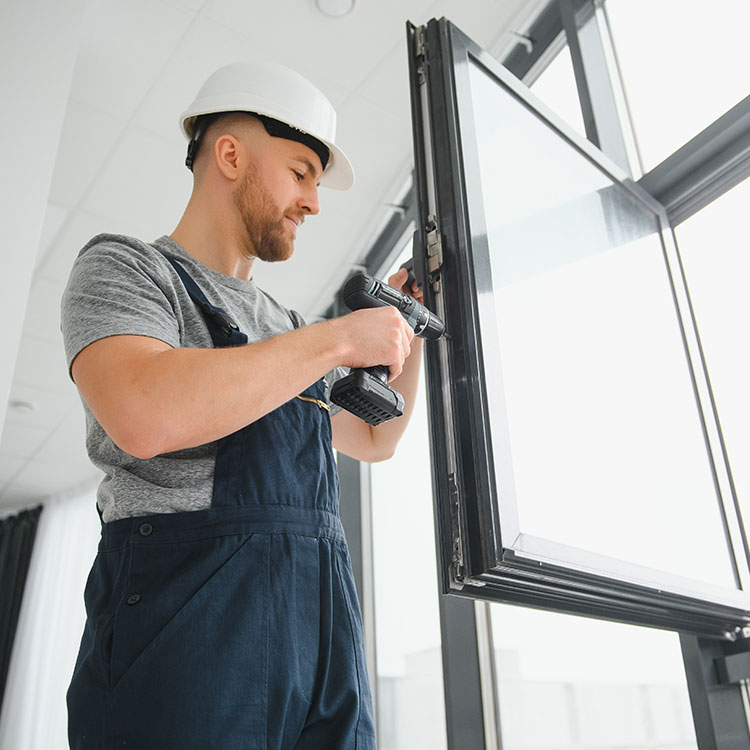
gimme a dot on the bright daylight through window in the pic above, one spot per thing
(410, 705)
(683, 66)
(587, 345)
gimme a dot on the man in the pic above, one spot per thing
(221, 606)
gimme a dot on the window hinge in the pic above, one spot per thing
(419, 53)
(434, 252)
(457, 555)
(419, 39)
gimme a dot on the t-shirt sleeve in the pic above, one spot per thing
(116, 290)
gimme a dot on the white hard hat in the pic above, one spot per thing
(279, 93)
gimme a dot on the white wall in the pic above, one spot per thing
(38, 47)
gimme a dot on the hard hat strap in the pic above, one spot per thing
(279, 129)
(274, 128)
(202, 123)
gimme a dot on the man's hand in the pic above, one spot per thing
(358, 439)
(375, 336)
(398, 281)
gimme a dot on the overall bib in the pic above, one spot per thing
(237, 626)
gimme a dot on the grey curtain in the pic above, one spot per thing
(17, 535)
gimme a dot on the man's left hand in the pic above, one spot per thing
(398, 281)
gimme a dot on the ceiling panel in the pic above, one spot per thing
(378, 142)
(49, 408)
(206, 46)
(41, 364)
(54, 220)
(192, 6)
(22, 441)
(9, 468)
(42, 320)
(47, 479)
(73, 235)
(123, 47)
(142, 184)
(387, 86)
(60, 449)
(295, 33)
(88, 136)
(484, 21)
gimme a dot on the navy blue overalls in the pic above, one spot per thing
(237, 626)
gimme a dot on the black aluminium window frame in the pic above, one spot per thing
(472, 560)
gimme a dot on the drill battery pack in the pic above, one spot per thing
(368, 396)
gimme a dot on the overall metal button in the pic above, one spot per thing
(145, 529)
(134, 599)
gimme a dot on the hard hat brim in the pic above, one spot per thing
(338, 174)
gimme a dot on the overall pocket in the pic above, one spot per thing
(193, 611)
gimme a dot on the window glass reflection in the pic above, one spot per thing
(585, 359)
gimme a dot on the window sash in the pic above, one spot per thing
(484, 554)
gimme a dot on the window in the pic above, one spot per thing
(571, 420)
(584, 357)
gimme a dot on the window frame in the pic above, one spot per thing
(473, 559)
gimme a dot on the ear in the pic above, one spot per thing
(226, 154)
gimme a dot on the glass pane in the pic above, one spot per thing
(411, 706)
(584, 357)
(597, 684)
(556, 87)
(715, 251)
(683, 65)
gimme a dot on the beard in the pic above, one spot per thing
(266, 233)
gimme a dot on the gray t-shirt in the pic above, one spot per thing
(120, 285)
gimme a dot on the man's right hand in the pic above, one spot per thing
(374, 336)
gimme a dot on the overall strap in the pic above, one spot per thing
(223, 329)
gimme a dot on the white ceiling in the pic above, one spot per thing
(119, 168)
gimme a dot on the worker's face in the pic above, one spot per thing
(278, 190)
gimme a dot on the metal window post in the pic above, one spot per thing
(717, 673)
(356, 517)
(464, 663)
(601, 116)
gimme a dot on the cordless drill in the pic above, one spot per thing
(365, 392)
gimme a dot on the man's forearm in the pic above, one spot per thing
(387, 435)
(153, 399)
(178, 398)
(364, 442)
